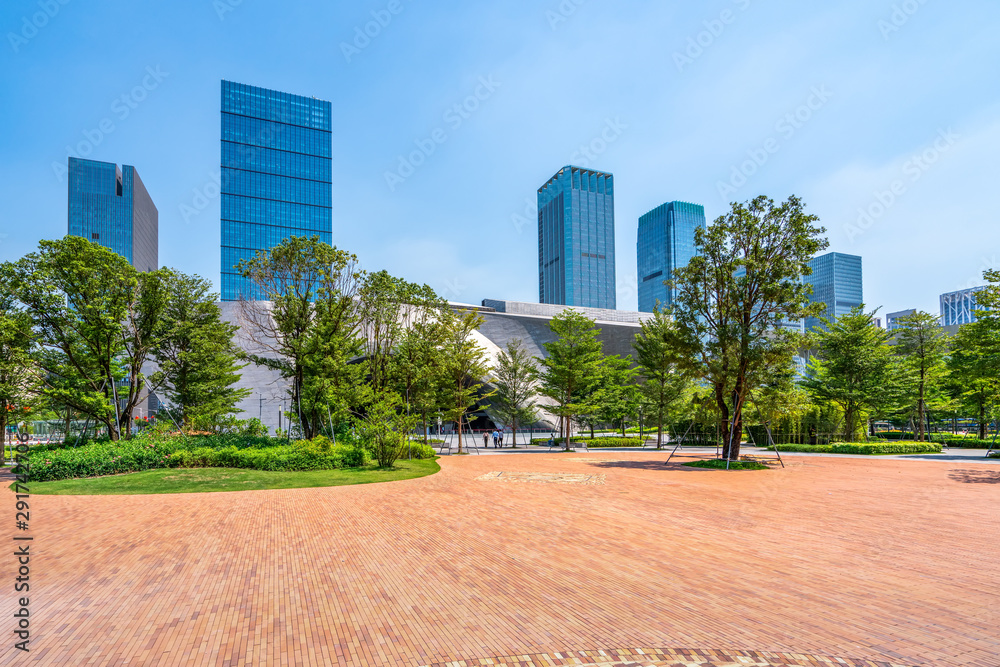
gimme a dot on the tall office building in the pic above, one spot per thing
(276, 175)
(665, 243)
(576, 239)
(892, 320)
(111, 207)
(836, 281)
(960, 307)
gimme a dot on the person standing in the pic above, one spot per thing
(486, 439)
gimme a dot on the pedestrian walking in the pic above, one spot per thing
(501, 438)
(486, 439)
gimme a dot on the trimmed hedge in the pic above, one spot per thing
(595, 442)
(148, 452)
(869, 448)
(944, 438)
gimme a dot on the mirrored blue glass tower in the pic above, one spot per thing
(276, 174)
(576, 239)
(836, 282)
(665, 243)
(111, 207)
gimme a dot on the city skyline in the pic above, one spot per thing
(576, 239)
(276, 175)
(838, 282)
(111, 207)
(665, 243)
(419, 128)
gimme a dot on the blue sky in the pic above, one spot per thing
(885, 106)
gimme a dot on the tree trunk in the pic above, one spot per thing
(513, 433)
(982, 420)
(566, 432)
(460, 434)
(659, 435)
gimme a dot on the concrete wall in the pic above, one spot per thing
(270, 391)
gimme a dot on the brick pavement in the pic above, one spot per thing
(876, 562)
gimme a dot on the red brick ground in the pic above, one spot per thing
(869, 560)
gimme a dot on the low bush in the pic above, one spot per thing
(608, 441)
(418, 450)
(222, 451)
(720, 464)
(865, 448)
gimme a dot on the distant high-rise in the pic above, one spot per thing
(960, 307)
(111, 207)
(665, 243)
(836, 281)
(576, 239)
(276, 175)
(892, 320)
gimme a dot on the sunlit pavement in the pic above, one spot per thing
(539, 558)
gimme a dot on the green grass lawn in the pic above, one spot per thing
(200, 480)
(720, 464)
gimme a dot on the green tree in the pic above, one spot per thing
(514, 377)
(418, 369)
(19, 381)
(572, 370)
(383, 430)
(302, 319)
(972, 368)
(616, 396)
(923, 347)
(196, 354)
(732, 297)
(465, 366)
(663, 381)
(95, 321)
(853, 369)
(389, 307)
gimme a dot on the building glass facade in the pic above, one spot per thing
(893, 320)
(836, 281)
(959, 307)
(665, 243)
(276, 175)
(111, 207)
(576, 239)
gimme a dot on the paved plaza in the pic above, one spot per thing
(609, 558)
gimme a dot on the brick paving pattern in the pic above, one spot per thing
(874, 562)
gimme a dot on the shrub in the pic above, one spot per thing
(217, 451)
(419, 450)
(610, 441)
(869, 448)
(720, 464)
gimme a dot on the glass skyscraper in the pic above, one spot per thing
(665, 243)
(836, 282)
(960, 307)
(111, 207)
(276, 174)
(576, 239)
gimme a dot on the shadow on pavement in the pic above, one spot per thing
(975, 476)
